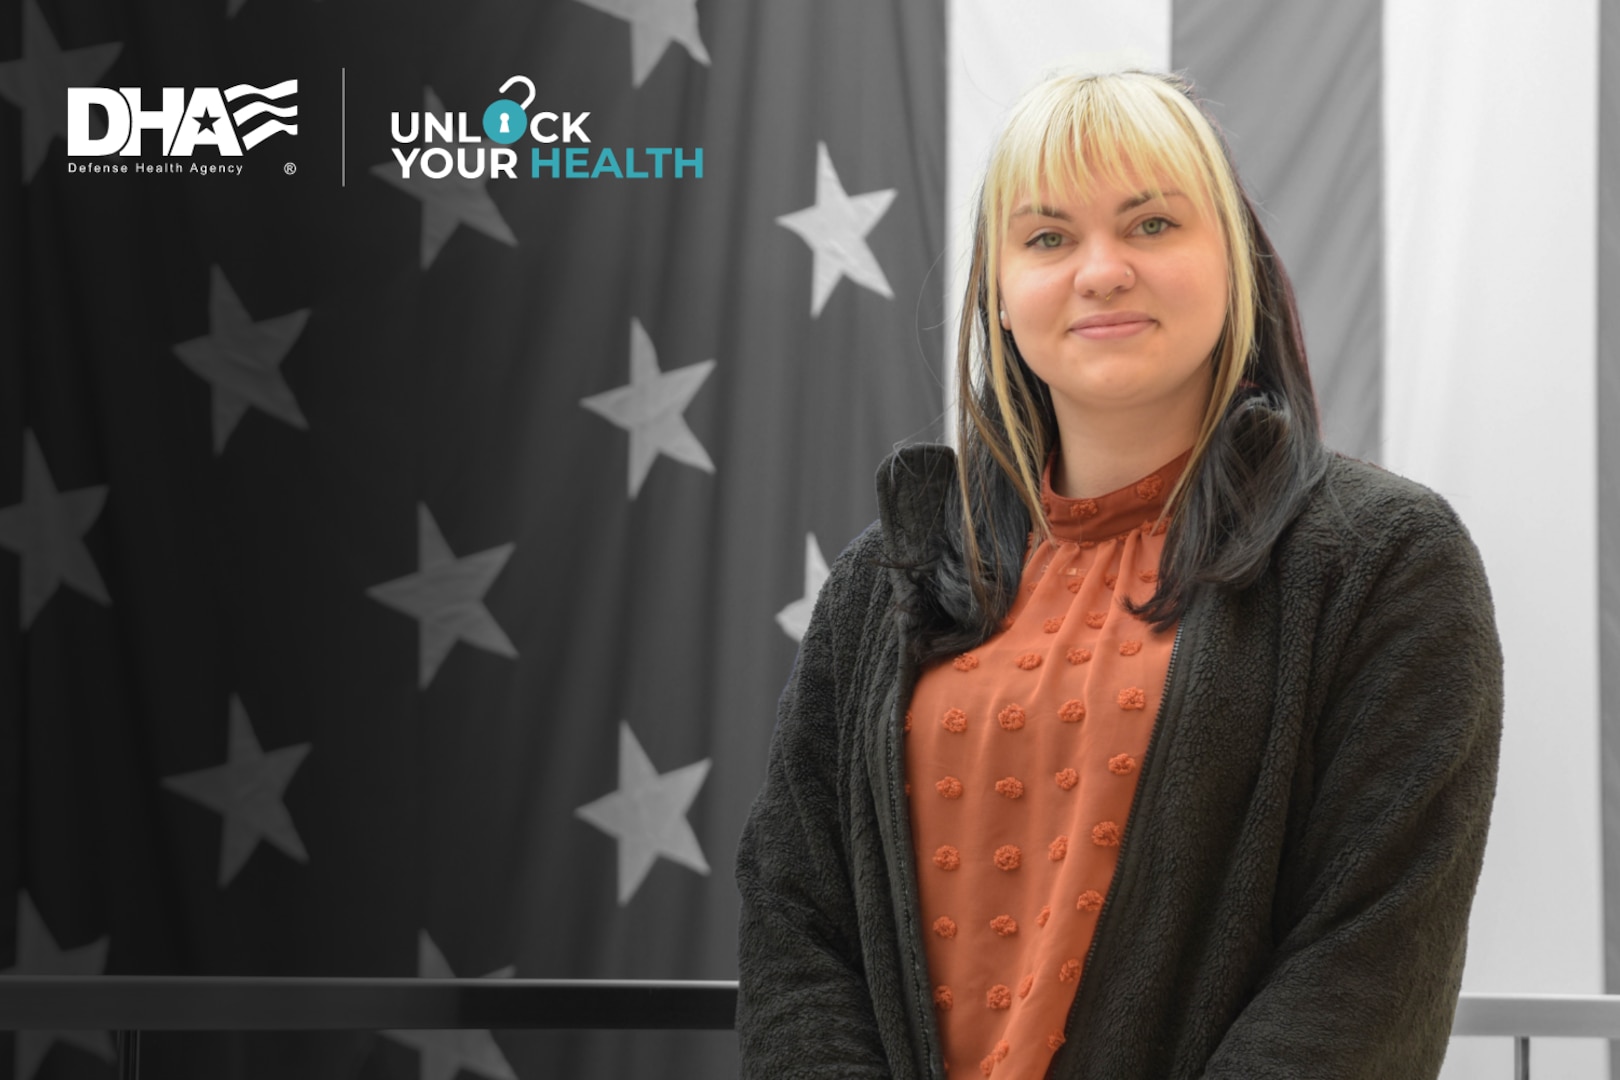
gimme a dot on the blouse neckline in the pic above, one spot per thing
(1137, 505)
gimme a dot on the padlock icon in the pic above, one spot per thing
(504, 120)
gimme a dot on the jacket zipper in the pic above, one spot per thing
(1130, 823)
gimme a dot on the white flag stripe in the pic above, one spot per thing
(264, 131)
(248, 112)
(1489, 375)
(280, 89)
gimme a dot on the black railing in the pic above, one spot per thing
(230, 1003)
(130, 1004)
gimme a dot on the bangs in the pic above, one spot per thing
(1071, 135)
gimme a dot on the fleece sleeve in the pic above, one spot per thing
(804, 1008)
(1368, 964)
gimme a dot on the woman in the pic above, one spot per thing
(1154, 740)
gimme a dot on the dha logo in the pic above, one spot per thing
(504, 122)
(203, 120)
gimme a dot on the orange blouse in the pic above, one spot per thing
(1021, 763)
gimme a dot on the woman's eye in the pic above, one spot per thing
(1040, 241)
(1155, 226)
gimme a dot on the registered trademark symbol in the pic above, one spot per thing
(289, 168)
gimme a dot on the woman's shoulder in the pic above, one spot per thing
(1361, 512)
(862, 558)
(912, 485)
(1370, 493)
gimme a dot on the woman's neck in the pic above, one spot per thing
(1098, 454)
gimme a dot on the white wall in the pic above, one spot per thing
(1490, 288)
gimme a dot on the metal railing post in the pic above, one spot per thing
(128, 1044)
(1521, 1057)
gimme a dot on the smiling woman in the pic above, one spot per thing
(1145, 737)
(1116, 303)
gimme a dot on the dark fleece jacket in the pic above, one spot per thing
(1292, 894)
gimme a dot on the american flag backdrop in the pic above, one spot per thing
(398, 572)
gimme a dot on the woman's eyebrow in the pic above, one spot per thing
(1037, 210)
(1145, 197)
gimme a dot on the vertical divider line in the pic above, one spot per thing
(343, 127)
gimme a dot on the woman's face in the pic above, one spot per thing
(1116, 303)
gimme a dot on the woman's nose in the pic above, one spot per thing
(1103, 270)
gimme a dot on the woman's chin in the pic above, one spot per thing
(1105, 394)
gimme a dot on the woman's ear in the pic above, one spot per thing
(1006, 323)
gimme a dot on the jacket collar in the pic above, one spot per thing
(913, 484)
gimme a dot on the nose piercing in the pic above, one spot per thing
(1129, 273)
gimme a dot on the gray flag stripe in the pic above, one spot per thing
(1312, 158)
(1608, 475)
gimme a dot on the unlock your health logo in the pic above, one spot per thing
(505, 121)
(435, 144)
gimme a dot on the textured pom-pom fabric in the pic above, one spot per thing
(1059, 693)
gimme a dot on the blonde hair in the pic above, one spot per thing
(1067, 134)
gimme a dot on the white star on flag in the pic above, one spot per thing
(647, 814)
(444, 1053)
(38, 82)
(795, 618)
(47, 531)
(448, 201)
(241, 360)
(247, 791)
(653, 25)
(446, 597)
(835, 228)
(650, 409)
(38, 954)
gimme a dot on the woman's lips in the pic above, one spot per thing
(1112, 330)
